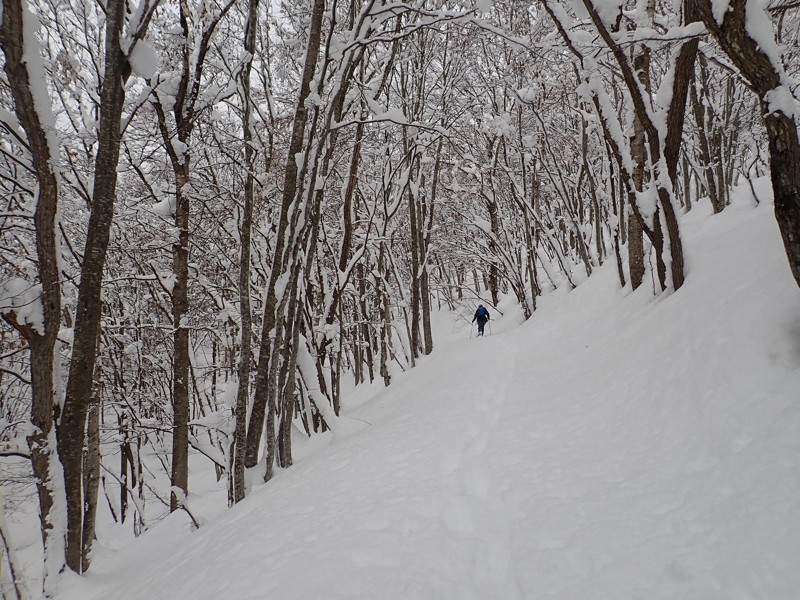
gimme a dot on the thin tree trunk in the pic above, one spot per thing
(429, 213)
(364, 327)
(494, 271)
(180, 360)
(687, 185)
(91, 483)
(699, 112)
(641, 65)
(183, 109)
(243, 393)
(386, 317)
(124, 450)
(414, 238)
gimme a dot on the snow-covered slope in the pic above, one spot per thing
(615, 446)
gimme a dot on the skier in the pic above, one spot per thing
(482, 316)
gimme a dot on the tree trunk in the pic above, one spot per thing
(641, 63)
(652, 136)
(180, 359)
(699, 111)
(425, 235)
(416, 251)
(635, 250)
(494, 271)
(91, 482)
(386, 317)
(187, 93)
(364, 327)
(79, 397)
(124, 450)
(42, 343)
(243, 394)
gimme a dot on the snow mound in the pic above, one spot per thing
(615, 446)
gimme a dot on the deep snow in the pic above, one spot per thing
(615, 446)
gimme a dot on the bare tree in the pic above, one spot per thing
(186, 104)
(32, 109)
(243, 393)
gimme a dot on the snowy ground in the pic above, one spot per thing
(616, 446)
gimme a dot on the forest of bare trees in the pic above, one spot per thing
(217, 216)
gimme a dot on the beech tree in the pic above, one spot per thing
(34, 132)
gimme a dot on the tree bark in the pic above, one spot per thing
(91, 480)
(494, 270)
(180, 359)
(414, 237)
(641, 64)
(124, 450)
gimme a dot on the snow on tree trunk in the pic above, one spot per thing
(32, 108)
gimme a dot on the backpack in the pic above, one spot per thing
(481, 312)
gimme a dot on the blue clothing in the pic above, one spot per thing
(481, 316)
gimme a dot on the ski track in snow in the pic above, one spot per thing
(616, 446)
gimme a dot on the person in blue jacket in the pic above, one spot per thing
(481, 316)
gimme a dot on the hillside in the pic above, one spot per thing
(614, 446)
